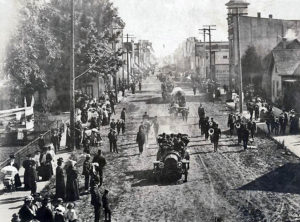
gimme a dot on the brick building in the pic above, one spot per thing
(264, 34)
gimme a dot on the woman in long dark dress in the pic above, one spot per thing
(140, 139)
(72, 191)
(48, 166)
(60, 180)
(26, 165)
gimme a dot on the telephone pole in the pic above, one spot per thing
(127, 55)
(238, 14)
(209, 29)
(196, 56)
(204, 46)
(72, 81)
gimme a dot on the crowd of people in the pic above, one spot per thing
(40, 166)
(67, 176)
(208, 127)
(243, 128)
(177, 142)
(91, 116)
(285, 122)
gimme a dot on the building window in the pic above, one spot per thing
(225, 57)
(277, 87)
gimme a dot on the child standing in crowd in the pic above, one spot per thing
(71, 215)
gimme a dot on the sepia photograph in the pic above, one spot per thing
(149, 111)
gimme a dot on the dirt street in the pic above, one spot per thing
(231, 185)
(260, 184)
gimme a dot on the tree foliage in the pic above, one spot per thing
(252, 67)
(39, 54)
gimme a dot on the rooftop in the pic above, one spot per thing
(287, 61)
(237, 3)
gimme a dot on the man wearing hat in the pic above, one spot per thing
(216, 137)
(141, 139)
(101, 163)
(107, 210)
(26, 212)
(112, 137)
(110, 134)
(96, 201)
(44, 213)
(201, 112)
(78, 134)
(123, 114)
(282, 123)
(55, 140)
(113, 124)
(60, 180)
(41, 142)
(86, 171)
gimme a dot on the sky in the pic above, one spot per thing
(167, 23)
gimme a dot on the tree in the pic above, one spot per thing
(30, 51)
(39, 54)
(252, 67)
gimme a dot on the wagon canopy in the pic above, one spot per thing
(177, 91)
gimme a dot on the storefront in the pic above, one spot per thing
(291, 92)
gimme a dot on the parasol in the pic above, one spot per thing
(9, 169)
(88, 132)
(95, 130)
(177, 90)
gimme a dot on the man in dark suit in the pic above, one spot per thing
(123, 114)
(96, 201)
(245, 137)
(216, 136)
(101, 163)
(106, 207)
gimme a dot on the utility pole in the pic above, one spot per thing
(139, 54)
(123, 73)
(72, 80)
(240, 63)
(127, 55)
(209, 30)
(127, 59)
(115, 77)
(204, 40)
(132, 62)
(195, 56)
(238, 14)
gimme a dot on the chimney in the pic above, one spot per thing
(270, 16)
(284, 43)
(258, 15)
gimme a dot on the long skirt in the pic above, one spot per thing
(141, 147)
